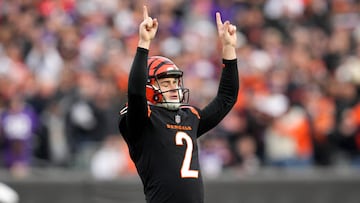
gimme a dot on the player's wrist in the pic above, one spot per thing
(229, 52)
(144, 43)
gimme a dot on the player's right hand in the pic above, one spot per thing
(148, 27)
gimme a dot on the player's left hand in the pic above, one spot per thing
(226, 31)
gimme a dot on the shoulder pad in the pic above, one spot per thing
(192, 109)
(123, 111)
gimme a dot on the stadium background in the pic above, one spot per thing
(294, 134)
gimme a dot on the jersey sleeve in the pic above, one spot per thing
(225, 99)
(137, 108)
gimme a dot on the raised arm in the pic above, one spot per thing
(227, 93)
(137, 103)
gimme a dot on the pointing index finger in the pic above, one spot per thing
(218, 19)
(145, 12)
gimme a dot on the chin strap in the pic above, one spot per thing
(170, 105)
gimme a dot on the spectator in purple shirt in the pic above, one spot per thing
(18, 123)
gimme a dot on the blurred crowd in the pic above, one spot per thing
(64, 66)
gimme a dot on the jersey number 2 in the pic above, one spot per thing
(185, 168)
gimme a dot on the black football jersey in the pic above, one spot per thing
(166, 155)
(163, 143)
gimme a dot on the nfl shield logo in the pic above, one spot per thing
(177, 119)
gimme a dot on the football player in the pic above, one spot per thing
(161, 129)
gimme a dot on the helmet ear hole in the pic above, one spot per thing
(152, 95)
(157, 96)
